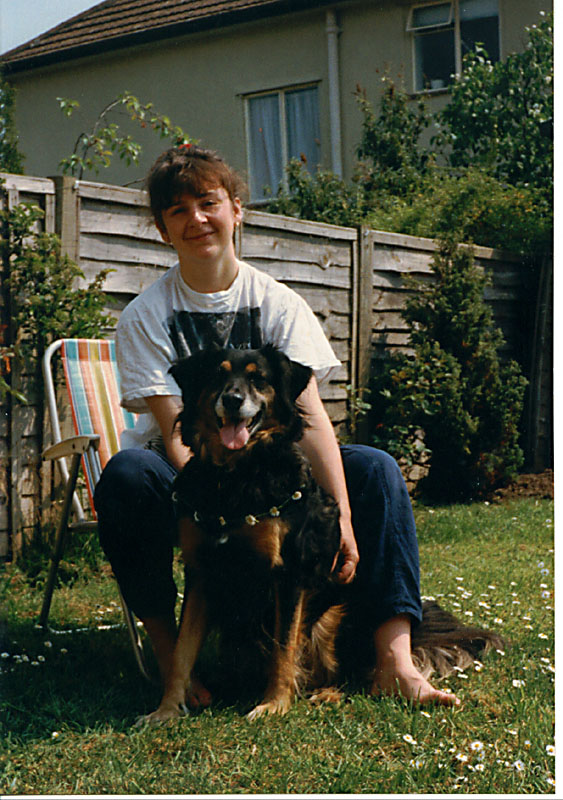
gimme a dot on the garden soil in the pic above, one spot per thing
(533, 485)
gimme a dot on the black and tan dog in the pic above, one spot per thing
(259, 538)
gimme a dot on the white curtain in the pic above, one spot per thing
(303, 128)
(280, 132)
(266, 167)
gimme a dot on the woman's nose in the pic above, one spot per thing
(197, 215)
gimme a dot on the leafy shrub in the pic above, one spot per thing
(452, 398)
(475, 206)
(46, 303)
(486, 177)
(322, 197)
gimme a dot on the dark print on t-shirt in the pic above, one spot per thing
(191, 331)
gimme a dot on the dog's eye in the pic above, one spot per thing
(258, 379)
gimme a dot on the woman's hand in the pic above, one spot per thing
(347, 558)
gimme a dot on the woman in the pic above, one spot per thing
(212, 296)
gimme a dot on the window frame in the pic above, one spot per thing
(281, 92)
(455, 24)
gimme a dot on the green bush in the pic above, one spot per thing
(322, 197)
(401, 189)
(46, 302)
(475, 206)
(452, 399)
(486, 177)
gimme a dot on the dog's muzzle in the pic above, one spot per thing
(239, 417)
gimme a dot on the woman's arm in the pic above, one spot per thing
(321, 447)
(166, 409)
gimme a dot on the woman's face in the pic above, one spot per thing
(200, 227)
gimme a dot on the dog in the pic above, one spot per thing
(259, 540)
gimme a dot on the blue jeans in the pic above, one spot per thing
(137, 529)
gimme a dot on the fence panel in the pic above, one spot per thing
(320, 263)
(396, 256)
(116, 233)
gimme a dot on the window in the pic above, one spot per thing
(281, 125)
(443, 33)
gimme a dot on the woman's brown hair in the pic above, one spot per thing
(188, 169)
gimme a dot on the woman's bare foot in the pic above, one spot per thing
(411, 685)
(395, 672)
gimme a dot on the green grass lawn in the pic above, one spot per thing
(69, 697)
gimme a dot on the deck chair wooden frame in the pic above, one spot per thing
(92, 381)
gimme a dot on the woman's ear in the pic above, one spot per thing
(237, 210)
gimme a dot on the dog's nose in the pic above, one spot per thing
(232, 401)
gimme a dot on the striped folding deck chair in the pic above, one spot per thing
(93, 386)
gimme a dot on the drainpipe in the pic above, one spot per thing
(332, 31)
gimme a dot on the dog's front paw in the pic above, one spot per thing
(164, 713)
(280, 706)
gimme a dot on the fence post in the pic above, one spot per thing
(364, 306)
(67, 215)
(539, 445)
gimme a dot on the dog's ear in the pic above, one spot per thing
(185, 373)
(290, 377)
(192, 375)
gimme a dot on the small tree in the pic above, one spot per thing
(500, 116)
(452, 399)
(391, 159)
(95, 150)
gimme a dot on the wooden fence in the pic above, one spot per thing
(353, 280)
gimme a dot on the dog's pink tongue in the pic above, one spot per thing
(234, 436)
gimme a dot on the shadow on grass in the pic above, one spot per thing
(78, 680)
(81, 680)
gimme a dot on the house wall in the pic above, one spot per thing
(199, 80)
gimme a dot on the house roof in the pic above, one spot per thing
(121, 23)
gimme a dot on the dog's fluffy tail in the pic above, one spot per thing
(441, 643)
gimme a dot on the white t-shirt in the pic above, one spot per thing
(169, 320)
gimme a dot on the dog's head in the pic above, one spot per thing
(234, 398)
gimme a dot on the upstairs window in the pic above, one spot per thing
(281, 125)
(444, 32)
